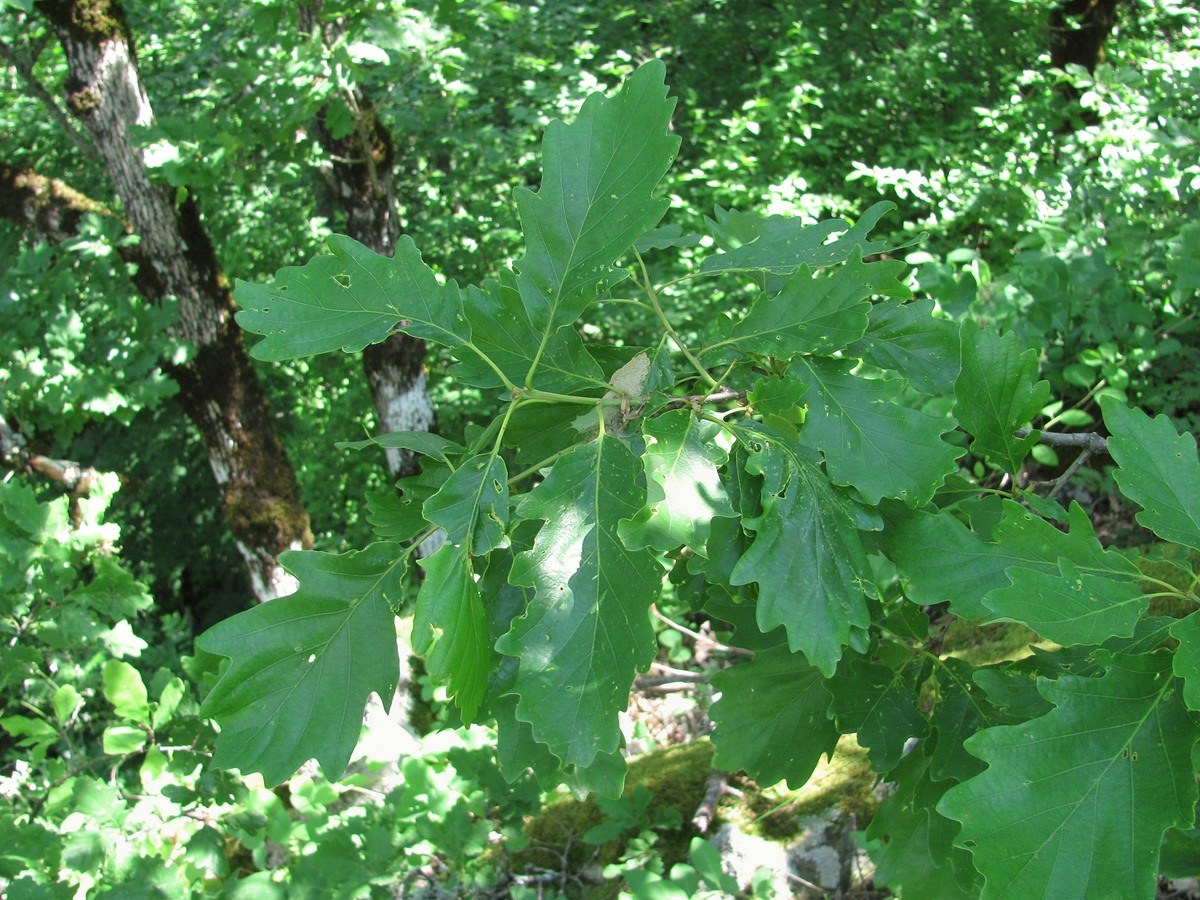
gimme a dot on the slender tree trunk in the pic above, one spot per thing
(219, 388)
(359, 178)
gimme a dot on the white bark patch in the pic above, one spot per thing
(268, 579)
(403, 407)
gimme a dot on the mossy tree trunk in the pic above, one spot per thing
(219, 387)
(360, 180)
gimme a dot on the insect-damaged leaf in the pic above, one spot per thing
(348, 299)
(302, 666)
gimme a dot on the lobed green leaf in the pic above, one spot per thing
(587, 628)
(302, 667)
(1158, 470)
(1108, 770)
(348, 299)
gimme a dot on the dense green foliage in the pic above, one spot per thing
(708, 381)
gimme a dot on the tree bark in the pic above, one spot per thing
(219, 388)
(1078, 30)
(359, 177)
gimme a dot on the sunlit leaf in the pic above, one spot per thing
(301, 667)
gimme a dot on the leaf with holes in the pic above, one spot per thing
(348, 299)
(1107, 770)
(302, 667)
(450, 628)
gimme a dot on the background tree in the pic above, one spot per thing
(219, 388)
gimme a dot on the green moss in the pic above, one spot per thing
(846, 782)
(984, 645)
(677, 778)
(1169, 566)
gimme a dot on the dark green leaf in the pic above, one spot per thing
(880, 705)
(431, 445)
(807, 559)
(1109, 769)
(869, 441)
(916, 852)
(1187, 658)
(909, 339)
(996, 394)
(503, 334)
(813, 314)
(472, 506)
(596, 197)
(773, 718)
(782, 244)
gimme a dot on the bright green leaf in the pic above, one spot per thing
(587, 628)
(123, 688)
(65, 701)
(450, 619)
(683, 490)
(350, 299)
(1159, 471)
(120, 740)
(302, 666)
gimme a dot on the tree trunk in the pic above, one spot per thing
(219, 388)
(359, 178)
(1078, 30)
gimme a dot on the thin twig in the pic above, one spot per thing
(1091, 441)
(696, 636)
(717, 786)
